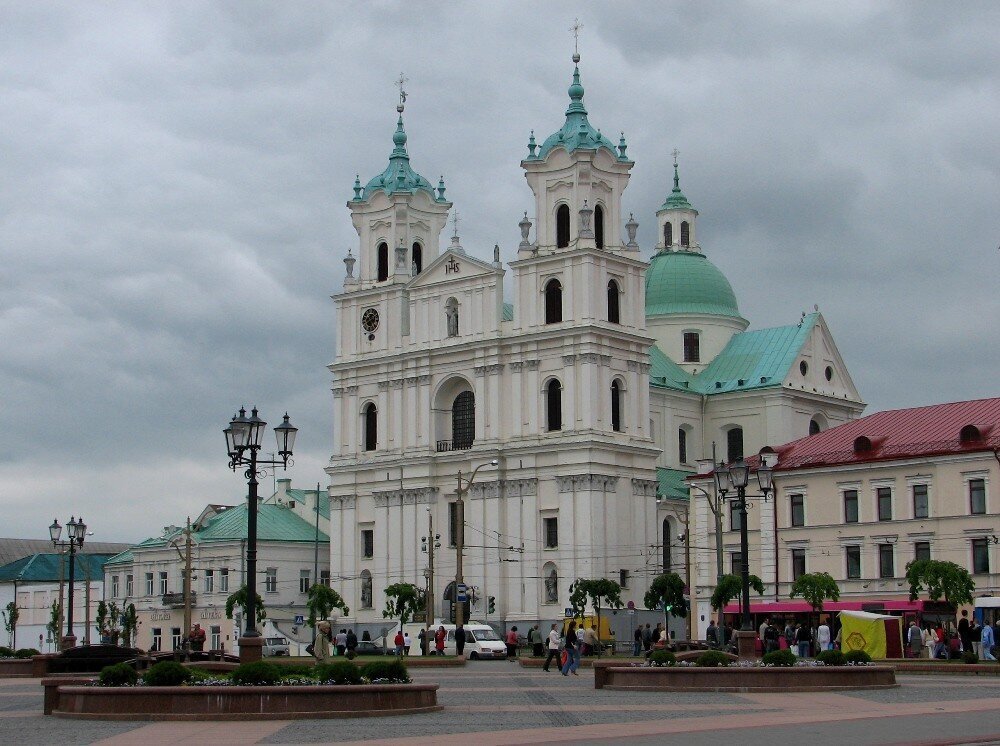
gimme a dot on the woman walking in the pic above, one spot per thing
(572, 651)
(321, 648)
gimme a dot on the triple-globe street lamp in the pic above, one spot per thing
(243, 441)
(76, 531)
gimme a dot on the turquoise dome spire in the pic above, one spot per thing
(399, 176)
(676, 199)
(685, 282)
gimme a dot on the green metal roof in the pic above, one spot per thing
(303, 495)
(665, 372)
(274, 523)
(122, 558)
(676, 199)
(679, 282)
(760, 358)
(398, 175)
(671, 484)
(577, 133)
(45, 567)
(508, 312)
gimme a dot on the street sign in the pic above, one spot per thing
(300, 619)
(463, 593)
(569, 612)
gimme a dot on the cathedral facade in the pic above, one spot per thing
(595, 390)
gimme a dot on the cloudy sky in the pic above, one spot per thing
(173, 179)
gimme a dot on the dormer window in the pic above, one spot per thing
(862, 445)
(383, 262)
(599, 226)
(970, 434)
(562, 226)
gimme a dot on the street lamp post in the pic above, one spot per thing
(461, 489)
(76, 531)
(243, 441)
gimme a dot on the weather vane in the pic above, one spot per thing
(575, 28)
(402, 94)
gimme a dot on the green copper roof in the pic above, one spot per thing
(577, 133)
(398, 175)
(45, 567)
(508, 312)
(686, 282)
(665, 372)
(671, 484)
(676, 199)
(303, 496)
(274, 523)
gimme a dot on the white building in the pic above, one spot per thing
(596, 389)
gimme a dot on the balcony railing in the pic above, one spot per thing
(451, 445)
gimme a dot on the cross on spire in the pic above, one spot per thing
(454, 222)
(403, 80)
(575, 28)
(675, 153)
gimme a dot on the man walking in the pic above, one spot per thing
(647, 638)
(637, 643)
(915, 640)
(537, 646)
(460, 641)
(553, 647)
(976, 636)
(803, 638)
(963, 631)
(987, 643)
(711, 634)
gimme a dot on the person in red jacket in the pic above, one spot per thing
(398, 641)
(439, 638)
(512, 644)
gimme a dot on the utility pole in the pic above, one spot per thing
(316, 553)
(61, 596)
(687, 571)
(86, 600)
(429, 605)
(459, 548)
(187, 582)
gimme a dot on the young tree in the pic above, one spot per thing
(130, 622)
(402, 601)
(815, 588)
(55, 622)
(942, 579)
(10, 617)
(601, 592)
(240, 599)
(322, 601)
(731, 587)
(667, 592)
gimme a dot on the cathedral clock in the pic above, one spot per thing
(369, 320)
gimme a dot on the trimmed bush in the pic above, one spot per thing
(662, 658)
(25, 653)
(338, 672)
(969, 656)
(260, 673)
(779, 658)
(857, 656)
(393, 670)
(712, 659)
(166, 673)
(120, 674)
(6, 652)
(298, 671)
(832, 658)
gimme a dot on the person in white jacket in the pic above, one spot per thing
(823, 637)
(553, 645)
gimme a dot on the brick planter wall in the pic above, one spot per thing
(17, 668)
(738, 679)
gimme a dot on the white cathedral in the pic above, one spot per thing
(596, 390)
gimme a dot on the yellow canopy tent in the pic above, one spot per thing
(879, 635)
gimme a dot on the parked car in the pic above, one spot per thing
(275, 646)
(366, 647)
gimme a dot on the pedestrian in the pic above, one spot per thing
(823, 641)
(915, 640)
(727, 637)
(940, 645)
(406, 643)
(553, 645)
(341, 642)
(711, 634)
(572, 652)
(460, 641)
(422, 641)
(512, 644)
(439, 638)
(352, 643)
(537, 644)
(647, 638)
(763, 628)
(987, 642)
(366, 636)
(321, 648)
(637, 642)
(589, 641)
(964, 630)
(789, 635)
(930, 640)
(803, 639)
(771, 638)
(399, 641)
(976, 637)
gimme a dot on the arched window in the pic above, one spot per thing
(682, 445)
(616, 406)
(814, 427)
(614, 312)
(553, 405)
(668, 234)
(451, 316)
(551, 576)
(418, 258)
(383, 262)
(685, 234)
(463, 421)
(370, 426)
(562, 226)
(553, 302)
(366, 589)
(666, 545)
(734, 444)
(599, 226)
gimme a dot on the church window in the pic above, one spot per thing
(551, 532)
(666, 546)
(692, 347)
(562, 226)
(370, 415)
(463, 421)
(668, 234)
(451, 316)
(616, 406)
(803, 367)
(418, 259)
(553, 405)
(685, 234)
(682, 445)
(814, 427)
(828, 373)
(553, 302)
(383, 262)
(734, 444)
(599, 226)
(614, 311)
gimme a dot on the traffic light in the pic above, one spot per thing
(493, 604)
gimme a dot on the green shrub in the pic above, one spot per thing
(857, 656)
(25, 653)
(298, 670)
(662, 658)
(831, 658)
(779, 658)
(260, 673)
(120, 674)
(393, 670)
(338, 672)
(969, 656)
(712, 659)
(166, 673)
(6, 652)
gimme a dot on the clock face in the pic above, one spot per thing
(369, 320)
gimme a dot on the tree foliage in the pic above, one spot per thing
(322, 601)
(667, 592)
(55, 621)
(731, 587)
(601, 592)
(129, 623)
(10, 616)
(240, 599)
(402, 601)
(941, 580)
(815, 588)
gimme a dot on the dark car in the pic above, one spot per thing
(366, 647)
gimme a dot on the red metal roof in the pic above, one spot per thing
(899, 434)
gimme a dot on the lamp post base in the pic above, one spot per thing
(251, 649)
(67, 642)
(746, 644)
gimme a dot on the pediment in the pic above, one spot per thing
(819, 351)
(452, 266)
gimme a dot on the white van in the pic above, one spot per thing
(481, 641)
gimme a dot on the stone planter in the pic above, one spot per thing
(16, 668)
(71, 700)
(742, 679)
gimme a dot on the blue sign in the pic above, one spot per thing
(300, 619)
(463, 593)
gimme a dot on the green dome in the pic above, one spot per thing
(680, 282)
(398, 175)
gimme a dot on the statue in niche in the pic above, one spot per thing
(451, 314)
(552, 588)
